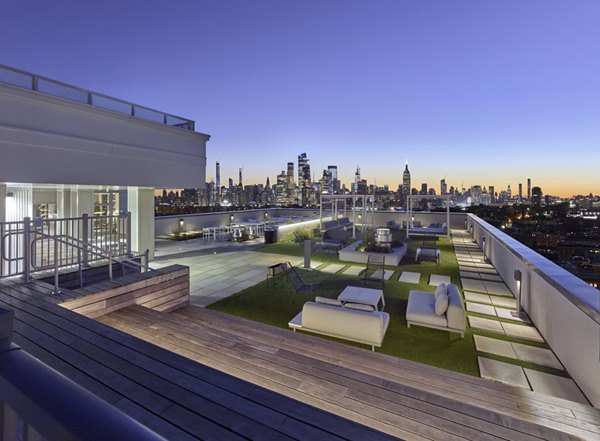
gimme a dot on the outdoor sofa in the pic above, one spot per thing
(431, 310)
(351, 321)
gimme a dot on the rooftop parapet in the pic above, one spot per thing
(26, 80)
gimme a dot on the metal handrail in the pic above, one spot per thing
(34, 79)
(82, 247)
(3, 252)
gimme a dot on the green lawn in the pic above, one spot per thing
(274, 305)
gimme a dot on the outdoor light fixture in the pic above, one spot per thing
(181, 222)
(518, 278)
(266, 214)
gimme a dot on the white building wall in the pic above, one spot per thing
(44, 139)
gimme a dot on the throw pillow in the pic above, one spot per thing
(359, 306)
(328, 301)
(441, 304)
(441, 289)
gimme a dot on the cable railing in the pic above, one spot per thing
(26, 80)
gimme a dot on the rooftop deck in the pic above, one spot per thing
(399, 397)
(172, 395)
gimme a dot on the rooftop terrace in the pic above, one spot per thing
(387, 393)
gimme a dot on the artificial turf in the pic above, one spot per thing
(276, 304)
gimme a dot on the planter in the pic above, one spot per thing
(349, 254)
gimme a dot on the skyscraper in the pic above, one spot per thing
(240, 184)
(218, 185)
(423, 188)
(529, 188)
(356, 180)
(536, 197)
(520, 192)
(304, 181)
(334, 183)
(443, 187)
(291, 185)
(405, 185)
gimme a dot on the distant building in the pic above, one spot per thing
(536, 197)
(443, 187)
(423, 188)
(405, 186)
(304, 181)
(529, 188)
(520, 192)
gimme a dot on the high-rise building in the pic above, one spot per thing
(291, 185)
(356, 180)
(520, 192)
(508, 193)
(529, 188)
(334, 183)
(492, 193)
(281, 189)
(218, 185)
(536, 197)
(476, 195)
(405, 185)
(443, 187)
(423, 188)
(304, 181)
(240, 184)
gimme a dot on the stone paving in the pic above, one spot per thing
(218, 269)
(437, 279)
(409, 277)
(486, 295)
(353, 270)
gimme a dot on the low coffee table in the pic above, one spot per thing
(365, 296)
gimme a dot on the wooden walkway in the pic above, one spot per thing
(172, 395)
(401, 398)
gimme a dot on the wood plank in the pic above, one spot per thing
(424, 379)
(66, 320)
(150, 319)
(388, 364)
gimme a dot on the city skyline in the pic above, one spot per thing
(482, 94)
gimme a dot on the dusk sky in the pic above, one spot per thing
(481, 92)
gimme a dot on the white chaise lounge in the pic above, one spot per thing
(442, 309)
(354, 322)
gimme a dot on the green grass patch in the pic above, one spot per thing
(276, 305)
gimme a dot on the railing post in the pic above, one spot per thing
(26, 248)
(110, 264)
(85, 237)
(56, 288)
(146, 259)
(128, 232)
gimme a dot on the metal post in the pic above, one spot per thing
(26, 248)
(321, 213)
(128, 232)
(110, 262)
(85, 237)
(146, 259)
(56, 288)
(79, 267)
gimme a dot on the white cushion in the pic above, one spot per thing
(421, 309)
(441, 289)
(359, 306)
(441, 304)
(328, 301)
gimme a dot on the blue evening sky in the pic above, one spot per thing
(482, 92)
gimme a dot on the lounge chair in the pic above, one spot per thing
(297, 283)
(375, 270)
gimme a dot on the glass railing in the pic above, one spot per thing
(26, 80)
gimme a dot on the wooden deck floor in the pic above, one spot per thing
(173, 395)
(401, 398)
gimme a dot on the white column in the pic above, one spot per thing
(2, 202)
(140, 202)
